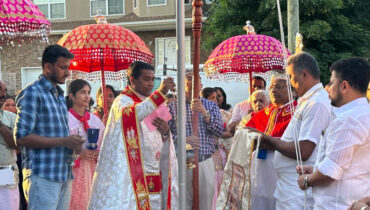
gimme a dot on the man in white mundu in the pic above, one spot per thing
(137, 167)
(310, 119)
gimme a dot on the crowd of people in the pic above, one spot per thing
(43, 139)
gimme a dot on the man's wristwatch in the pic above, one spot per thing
(305, 181)
(208, 115)
(364, 207)
(165, 136)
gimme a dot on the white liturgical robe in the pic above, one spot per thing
(112, 185)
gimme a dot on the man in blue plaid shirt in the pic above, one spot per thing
(210, 128)
(43, 134)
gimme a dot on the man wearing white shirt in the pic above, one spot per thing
(311, 118)
(342, 171)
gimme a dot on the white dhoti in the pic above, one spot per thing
(206, 185)
(263, 185)
(296, 203)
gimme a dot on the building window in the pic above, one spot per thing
(165, 51)
(135, 4)
(156, 2)
(187, 1)
(107, 7)
(52, 9)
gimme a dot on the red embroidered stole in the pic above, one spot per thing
(272, 120)
(143, 184)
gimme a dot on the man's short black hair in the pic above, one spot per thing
(260, 78)
(355, 71)
(53, 52)
(135, 69)
(306, 61)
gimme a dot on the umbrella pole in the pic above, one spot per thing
(197, 29)
(250, 83)
(103, 84)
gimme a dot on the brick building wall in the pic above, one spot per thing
(13, 59)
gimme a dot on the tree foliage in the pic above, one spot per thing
(331, 29)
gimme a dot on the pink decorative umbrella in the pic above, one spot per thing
(103, 51)
(21, 21)
(237, 57)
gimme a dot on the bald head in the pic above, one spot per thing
(279, 90)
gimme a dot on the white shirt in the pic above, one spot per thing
(240, 110)
(311, 118)
(344, 155)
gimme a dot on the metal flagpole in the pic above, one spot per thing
(181, 112)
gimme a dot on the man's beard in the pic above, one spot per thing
(54, 78)
(336, 101)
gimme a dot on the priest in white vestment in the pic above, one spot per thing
(136, 166)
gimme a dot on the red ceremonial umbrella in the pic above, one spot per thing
(21, 21)
(104, 51)
(237, 57)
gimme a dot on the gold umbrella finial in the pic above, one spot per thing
(298, 43)
(249, 28)
(100, 18)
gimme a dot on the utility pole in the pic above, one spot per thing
(293, 23)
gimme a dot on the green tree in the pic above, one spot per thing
(331, 29)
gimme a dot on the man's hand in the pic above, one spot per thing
(232, 127)
(162, 125)
(301, 182)
(167, 84)
(306, 169)
(357, 205)
(226, 134)
(197, 106)
(105, 119)
(74, 142)
(194, 141)
(255, 130)
(265, 145)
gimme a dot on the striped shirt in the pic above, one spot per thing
(42, 111)
(208, 132)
